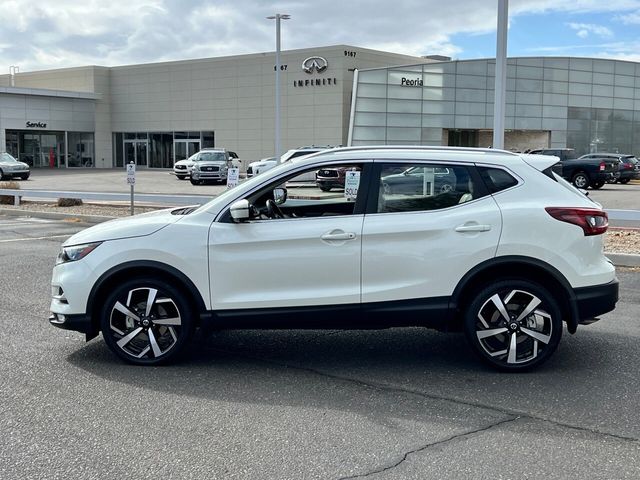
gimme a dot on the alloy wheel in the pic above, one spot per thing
(514, 324)
(146, 325)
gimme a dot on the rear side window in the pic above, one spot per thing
(497, 179)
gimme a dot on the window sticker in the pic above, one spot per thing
(351, 184)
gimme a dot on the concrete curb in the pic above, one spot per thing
(618, 259)
(624, 259)
(92, 219)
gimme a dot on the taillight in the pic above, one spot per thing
(592, 221)
(627, 166)
(602, 166)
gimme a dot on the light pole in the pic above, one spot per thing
(277, 17)
(501, 75)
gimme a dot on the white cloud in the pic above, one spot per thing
(584, 29)
(63, 33)
(629, 18)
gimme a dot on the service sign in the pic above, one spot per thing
(131, 173)
(233, 177)
(351, 184)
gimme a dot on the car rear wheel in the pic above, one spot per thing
(580, 180)
(146, 321)
(597, 185)
(513, 325)
(624, 181)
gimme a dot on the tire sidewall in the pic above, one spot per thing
(483, 294)
(583, 175)
(180, 299)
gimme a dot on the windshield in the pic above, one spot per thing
(211, 157)
(6, 157)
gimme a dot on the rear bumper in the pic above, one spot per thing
(604, 176)
(596, 300)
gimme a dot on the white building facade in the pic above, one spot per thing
(156, 114)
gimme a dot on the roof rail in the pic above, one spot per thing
(428, 147)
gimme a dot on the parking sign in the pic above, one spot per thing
(351, 183)
(131, 173)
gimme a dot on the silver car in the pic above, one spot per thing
(10, 167)
(211, 165)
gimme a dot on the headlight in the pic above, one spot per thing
(195, 167)
(77, 252)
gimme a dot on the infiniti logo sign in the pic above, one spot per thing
(319, 64)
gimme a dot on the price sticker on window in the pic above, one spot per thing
(351, 183)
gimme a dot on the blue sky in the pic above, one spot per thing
(560, 33)
(66, 33)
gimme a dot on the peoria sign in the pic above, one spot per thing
(411, 82)
(313, 65)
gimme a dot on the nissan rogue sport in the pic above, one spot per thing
(507, 255)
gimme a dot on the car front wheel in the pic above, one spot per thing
(513, 325)
(146, 321)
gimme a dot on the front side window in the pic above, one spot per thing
(423, 187)
(325, 191)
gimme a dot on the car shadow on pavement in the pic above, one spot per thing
(295, 367)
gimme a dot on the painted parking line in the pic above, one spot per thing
(26, 239)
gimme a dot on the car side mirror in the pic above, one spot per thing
(279, 195)
(240, 211)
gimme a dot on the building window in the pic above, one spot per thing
(80, 151)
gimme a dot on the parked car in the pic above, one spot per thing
(507, 256)
(10, 167)
(582, 172)
(211, 165)
(182, 168)
(412, 180)
(328, 178)
(256, 168)
(628, 166)
(310, 177)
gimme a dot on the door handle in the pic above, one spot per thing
(473, 228)
(340, 236)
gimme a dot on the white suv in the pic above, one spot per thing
(506, 255)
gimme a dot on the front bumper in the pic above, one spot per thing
(596, 300)
(200, 175)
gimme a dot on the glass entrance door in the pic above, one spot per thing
(136, 151)
(185, 148)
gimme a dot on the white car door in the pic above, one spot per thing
(419, 245)
(291, 261)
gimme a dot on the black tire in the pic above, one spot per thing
(325, 188)
(581, 180)
(170, 336)
(515, 295)
(24, 176)
(195, 182)
(2, 176)
(624, 181)
(181, 177)
(597, 185)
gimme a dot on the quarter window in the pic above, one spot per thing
(423, 187)
(497, 179)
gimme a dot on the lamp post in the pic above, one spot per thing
(501, 75)
(277, 17)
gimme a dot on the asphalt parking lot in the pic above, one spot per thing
(616, 196)
(398, 403)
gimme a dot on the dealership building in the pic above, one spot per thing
(156, 114)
